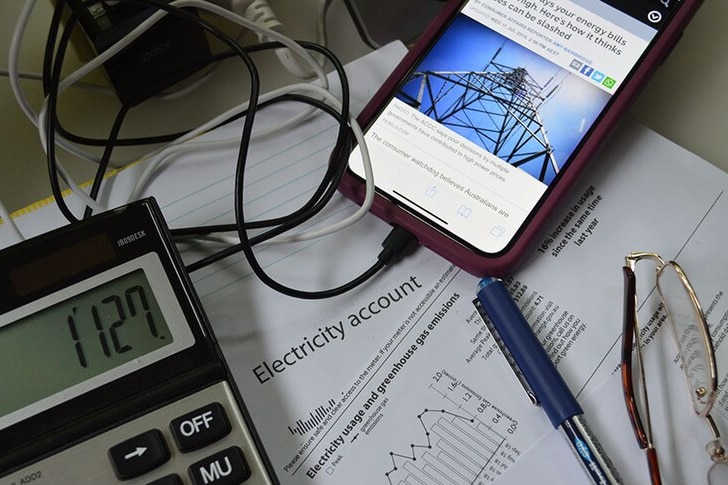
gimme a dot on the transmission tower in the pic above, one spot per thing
(496, 108)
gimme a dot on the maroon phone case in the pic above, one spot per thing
(504, 262)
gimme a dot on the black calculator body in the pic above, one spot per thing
(109, 370)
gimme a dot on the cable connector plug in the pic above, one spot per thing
(396, 244)
(260, 12)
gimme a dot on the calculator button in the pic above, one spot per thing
(227, 467)
(167, 480)
(200, 427)
(139, 454)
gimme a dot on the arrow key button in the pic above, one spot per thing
(139, 454)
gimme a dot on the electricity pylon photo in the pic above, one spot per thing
(497, 108)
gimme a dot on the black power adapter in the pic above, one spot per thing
(169, 52)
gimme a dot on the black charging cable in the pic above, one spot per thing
(52, 39)
(394, 245)
(55, 76)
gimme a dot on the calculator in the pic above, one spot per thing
(109, 370)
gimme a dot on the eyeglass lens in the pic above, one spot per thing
(718, 473)
(690, 335)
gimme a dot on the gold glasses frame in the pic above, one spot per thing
(700, 369)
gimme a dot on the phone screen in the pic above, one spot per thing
(492, 114)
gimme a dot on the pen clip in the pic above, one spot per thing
(506, 353)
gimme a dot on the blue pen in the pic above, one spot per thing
(539, 377)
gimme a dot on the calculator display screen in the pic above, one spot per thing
(86, 335)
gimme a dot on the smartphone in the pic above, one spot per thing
(487, 122)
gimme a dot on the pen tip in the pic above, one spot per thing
(486, 281)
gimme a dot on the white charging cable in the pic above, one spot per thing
(260, 12)
(321, 91)
(7, 220)
(93, 64)
(334, 102)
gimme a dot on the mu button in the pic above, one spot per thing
(138, 455)
(226, 467)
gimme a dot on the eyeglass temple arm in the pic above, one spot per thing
(630, 314)
(654, 467)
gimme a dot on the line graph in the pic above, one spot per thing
(455, 445)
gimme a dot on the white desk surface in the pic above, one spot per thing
(685, 101)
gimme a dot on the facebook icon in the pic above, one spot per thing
(587, 70)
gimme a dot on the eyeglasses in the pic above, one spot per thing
(695, 351)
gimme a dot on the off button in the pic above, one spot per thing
(200, 427)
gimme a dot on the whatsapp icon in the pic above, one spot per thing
(609, 82)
